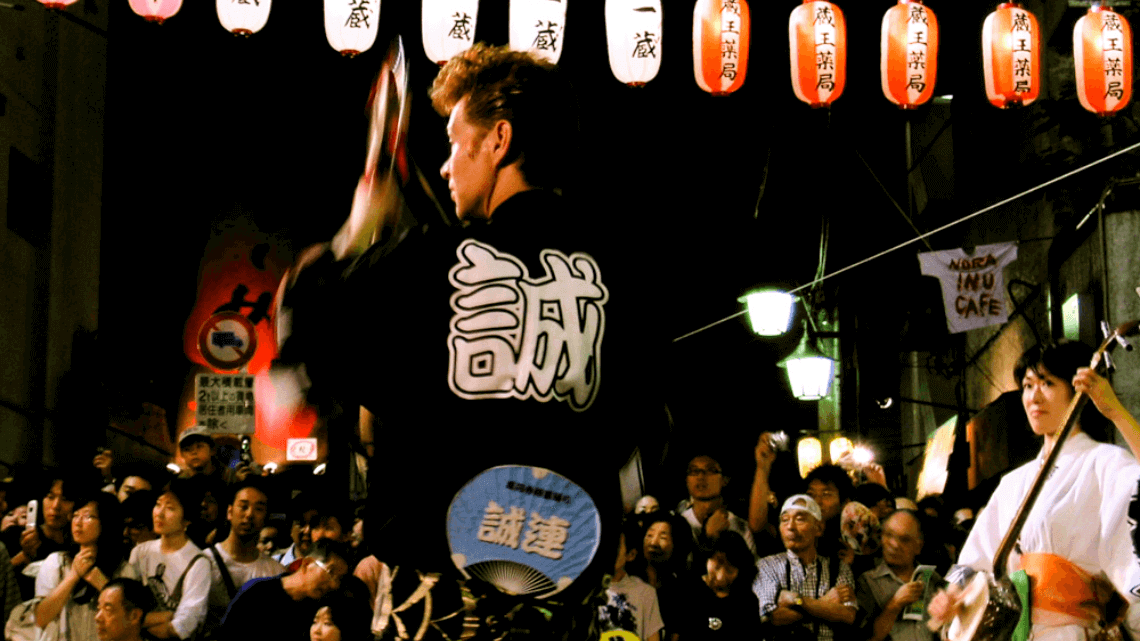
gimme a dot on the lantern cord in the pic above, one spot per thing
(1130, 148)
(892, 199)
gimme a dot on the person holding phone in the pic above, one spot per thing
(885, 592)
(50, 530)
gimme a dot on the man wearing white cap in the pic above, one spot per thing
(799, 587)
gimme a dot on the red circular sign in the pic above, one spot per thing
(302, 450)
(227, 341)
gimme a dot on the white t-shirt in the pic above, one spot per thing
(973, 286)
(240, 572)
(632, 606)
(161, 571)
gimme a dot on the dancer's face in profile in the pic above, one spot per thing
(471, 168)
(1046, 399)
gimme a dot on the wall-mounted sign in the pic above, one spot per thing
(224, 403)
(525, 530)
(301, 449)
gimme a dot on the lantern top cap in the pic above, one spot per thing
(1009, 5)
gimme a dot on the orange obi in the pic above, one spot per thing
(1060, 592)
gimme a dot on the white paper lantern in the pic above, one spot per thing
(538, 26)
(448, 28)
(633, 35)
(350, 25)
(243, 17)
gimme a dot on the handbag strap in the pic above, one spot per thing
(225, 572)
(176, 595)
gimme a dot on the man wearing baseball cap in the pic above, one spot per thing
(799, 587)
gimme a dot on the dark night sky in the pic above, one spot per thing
(201, 124)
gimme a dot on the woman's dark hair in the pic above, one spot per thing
(189, 492)
(108, 547)
(737, 553)
(349, 616)
(837, 476)
(1062, 359)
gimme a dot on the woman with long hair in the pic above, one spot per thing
(69, 581)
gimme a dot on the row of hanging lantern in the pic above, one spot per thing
(817, 33)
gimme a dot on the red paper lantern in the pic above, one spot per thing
(1102, 51)
(156, 10)
(909, 54)
(817, 34)
(57, 4)
(721, 30)
(1011, 52)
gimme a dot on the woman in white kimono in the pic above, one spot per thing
(1078, 530)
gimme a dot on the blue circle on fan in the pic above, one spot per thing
(525, 530)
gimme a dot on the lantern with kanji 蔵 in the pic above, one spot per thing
(817, 35)
(243, 17)
(1102, 52)
(1011, 56)
(633, 36)
(448, 28)
(538, 26)
(350, 25)
(57, 4)
(721, 29)
(156, 10)
(909, 53)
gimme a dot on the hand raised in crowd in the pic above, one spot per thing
(30, 543)
(717, 523)
(1100, 392)
(83, 562)
(242, 471)
(944, 606)
(765, 455)
(908, 593)
(875, 474)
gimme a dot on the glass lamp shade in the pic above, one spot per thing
(840, 446)
(810, 455)
(770, 311)
(809, 372)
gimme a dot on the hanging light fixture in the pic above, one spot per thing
(538, 26)
(909, 53)
(817, 34)
(809, 452)
(721, 30)
(839, 446)
(809, 371)
(633, 37)
(1011, 52)
(1102, 52)
(350, 25)
(769, 311)
(448, 28)
(243, 18)
(156, 10)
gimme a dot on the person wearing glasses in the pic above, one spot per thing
(69, 581)
(283, 607)
(707, 514)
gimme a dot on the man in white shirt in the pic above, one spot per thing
(708, 516)
(238, 559)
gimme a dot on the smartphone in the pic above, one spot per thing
(246, 453)
(33, 512)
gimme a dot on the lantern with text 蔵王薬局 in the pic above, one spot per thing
(1102, 52)
(538, 26)
(633, 37)
(1011, 56)
(721, 29)
(817, 36)
(57, 4)
(243, 17)
(156, 10)
(909, 54)
(448, 28)
(351, 25)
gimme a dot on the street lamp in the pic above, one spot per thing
(809, 371)
(769, 311)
